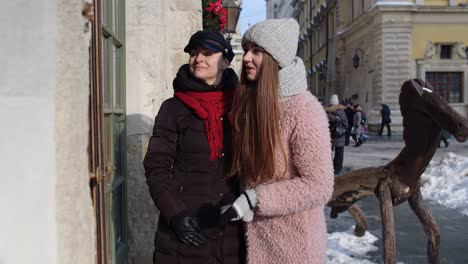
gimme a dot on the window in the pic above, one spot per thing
(446, 51)
(332, 27)
(113, 41)
(449, 85)
(275, 11)
(313, 42)
(360, 7)
(320, 37)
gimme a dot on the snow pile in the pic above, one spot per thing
(446, 182)
(391, 3)
(345, 247)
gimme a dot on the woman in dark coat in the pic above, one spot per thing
(188, 157)
(336, 116)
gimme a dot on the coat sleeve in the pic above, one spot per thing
(310, 149)
(159, 161)
(357, 119)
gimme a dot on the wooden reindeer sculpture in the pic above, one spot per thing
(424, 114)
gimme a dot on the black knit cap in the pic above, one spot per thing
(212, 40)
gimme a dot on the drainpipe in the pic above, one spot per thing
(312, 52)
(326, 53)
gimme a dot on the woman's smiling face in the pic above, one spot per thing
(252, 60)
(207, 65)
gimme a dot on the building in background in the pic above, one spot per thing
(363, 50)
(313, 45)
(279, 8)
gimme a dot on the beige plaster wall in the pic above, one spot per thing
(75, 219)
(156, 33)
(27, 145)
(44, 198)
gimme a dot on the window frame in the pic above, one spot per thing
(108, 134)
(445, 92)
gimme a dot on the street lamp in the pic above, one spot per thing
(466, 54)
(356, 59)
(233, 12)
(321, 76)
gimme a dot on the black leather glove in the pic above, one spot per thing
(227, 214)
(187, 230)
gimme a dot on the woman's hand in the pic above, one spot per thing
(242, 208)
(187, 230)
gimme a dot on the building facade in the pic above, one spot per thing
(313, 45)
(279, 8)
(364, 50)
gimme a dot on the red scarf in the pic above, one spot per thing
(209, 107)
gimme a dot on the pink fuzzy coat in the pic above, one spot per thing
(289, 223)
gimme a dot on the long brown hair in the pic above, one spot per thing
(256, 118)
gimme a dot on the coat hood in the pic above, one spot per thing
(333, 108)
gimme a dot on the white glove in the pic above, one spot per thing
(244, 205)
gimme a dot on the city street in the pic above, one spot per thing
(379, 150)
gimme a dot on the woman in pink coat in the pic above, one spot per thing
(282, 151)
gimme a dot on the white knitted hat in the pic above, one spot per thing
(279, 37)
(334, 99)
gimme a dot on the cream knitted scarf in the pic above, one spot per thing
(293, 79)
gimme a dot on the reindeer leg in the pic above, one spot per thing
(360, 218)
(388, 224)
(429, 224)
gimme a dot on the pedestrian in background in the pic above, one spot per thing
(186, 165)
(282, 151)
(357, 130)
(349, 115)
(386, 120)
(444, 136)
(338, 123)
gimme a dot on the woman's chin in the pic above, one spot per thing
(251, 77)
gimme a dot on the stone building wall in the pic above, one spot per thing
(156, 33)
(382, 40)
(396, 66)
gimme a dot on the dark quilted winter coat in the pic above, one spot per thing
(181, 178)
(385, 113)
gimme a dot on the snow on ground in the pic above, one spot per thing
(346, 248)
(446, 182)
